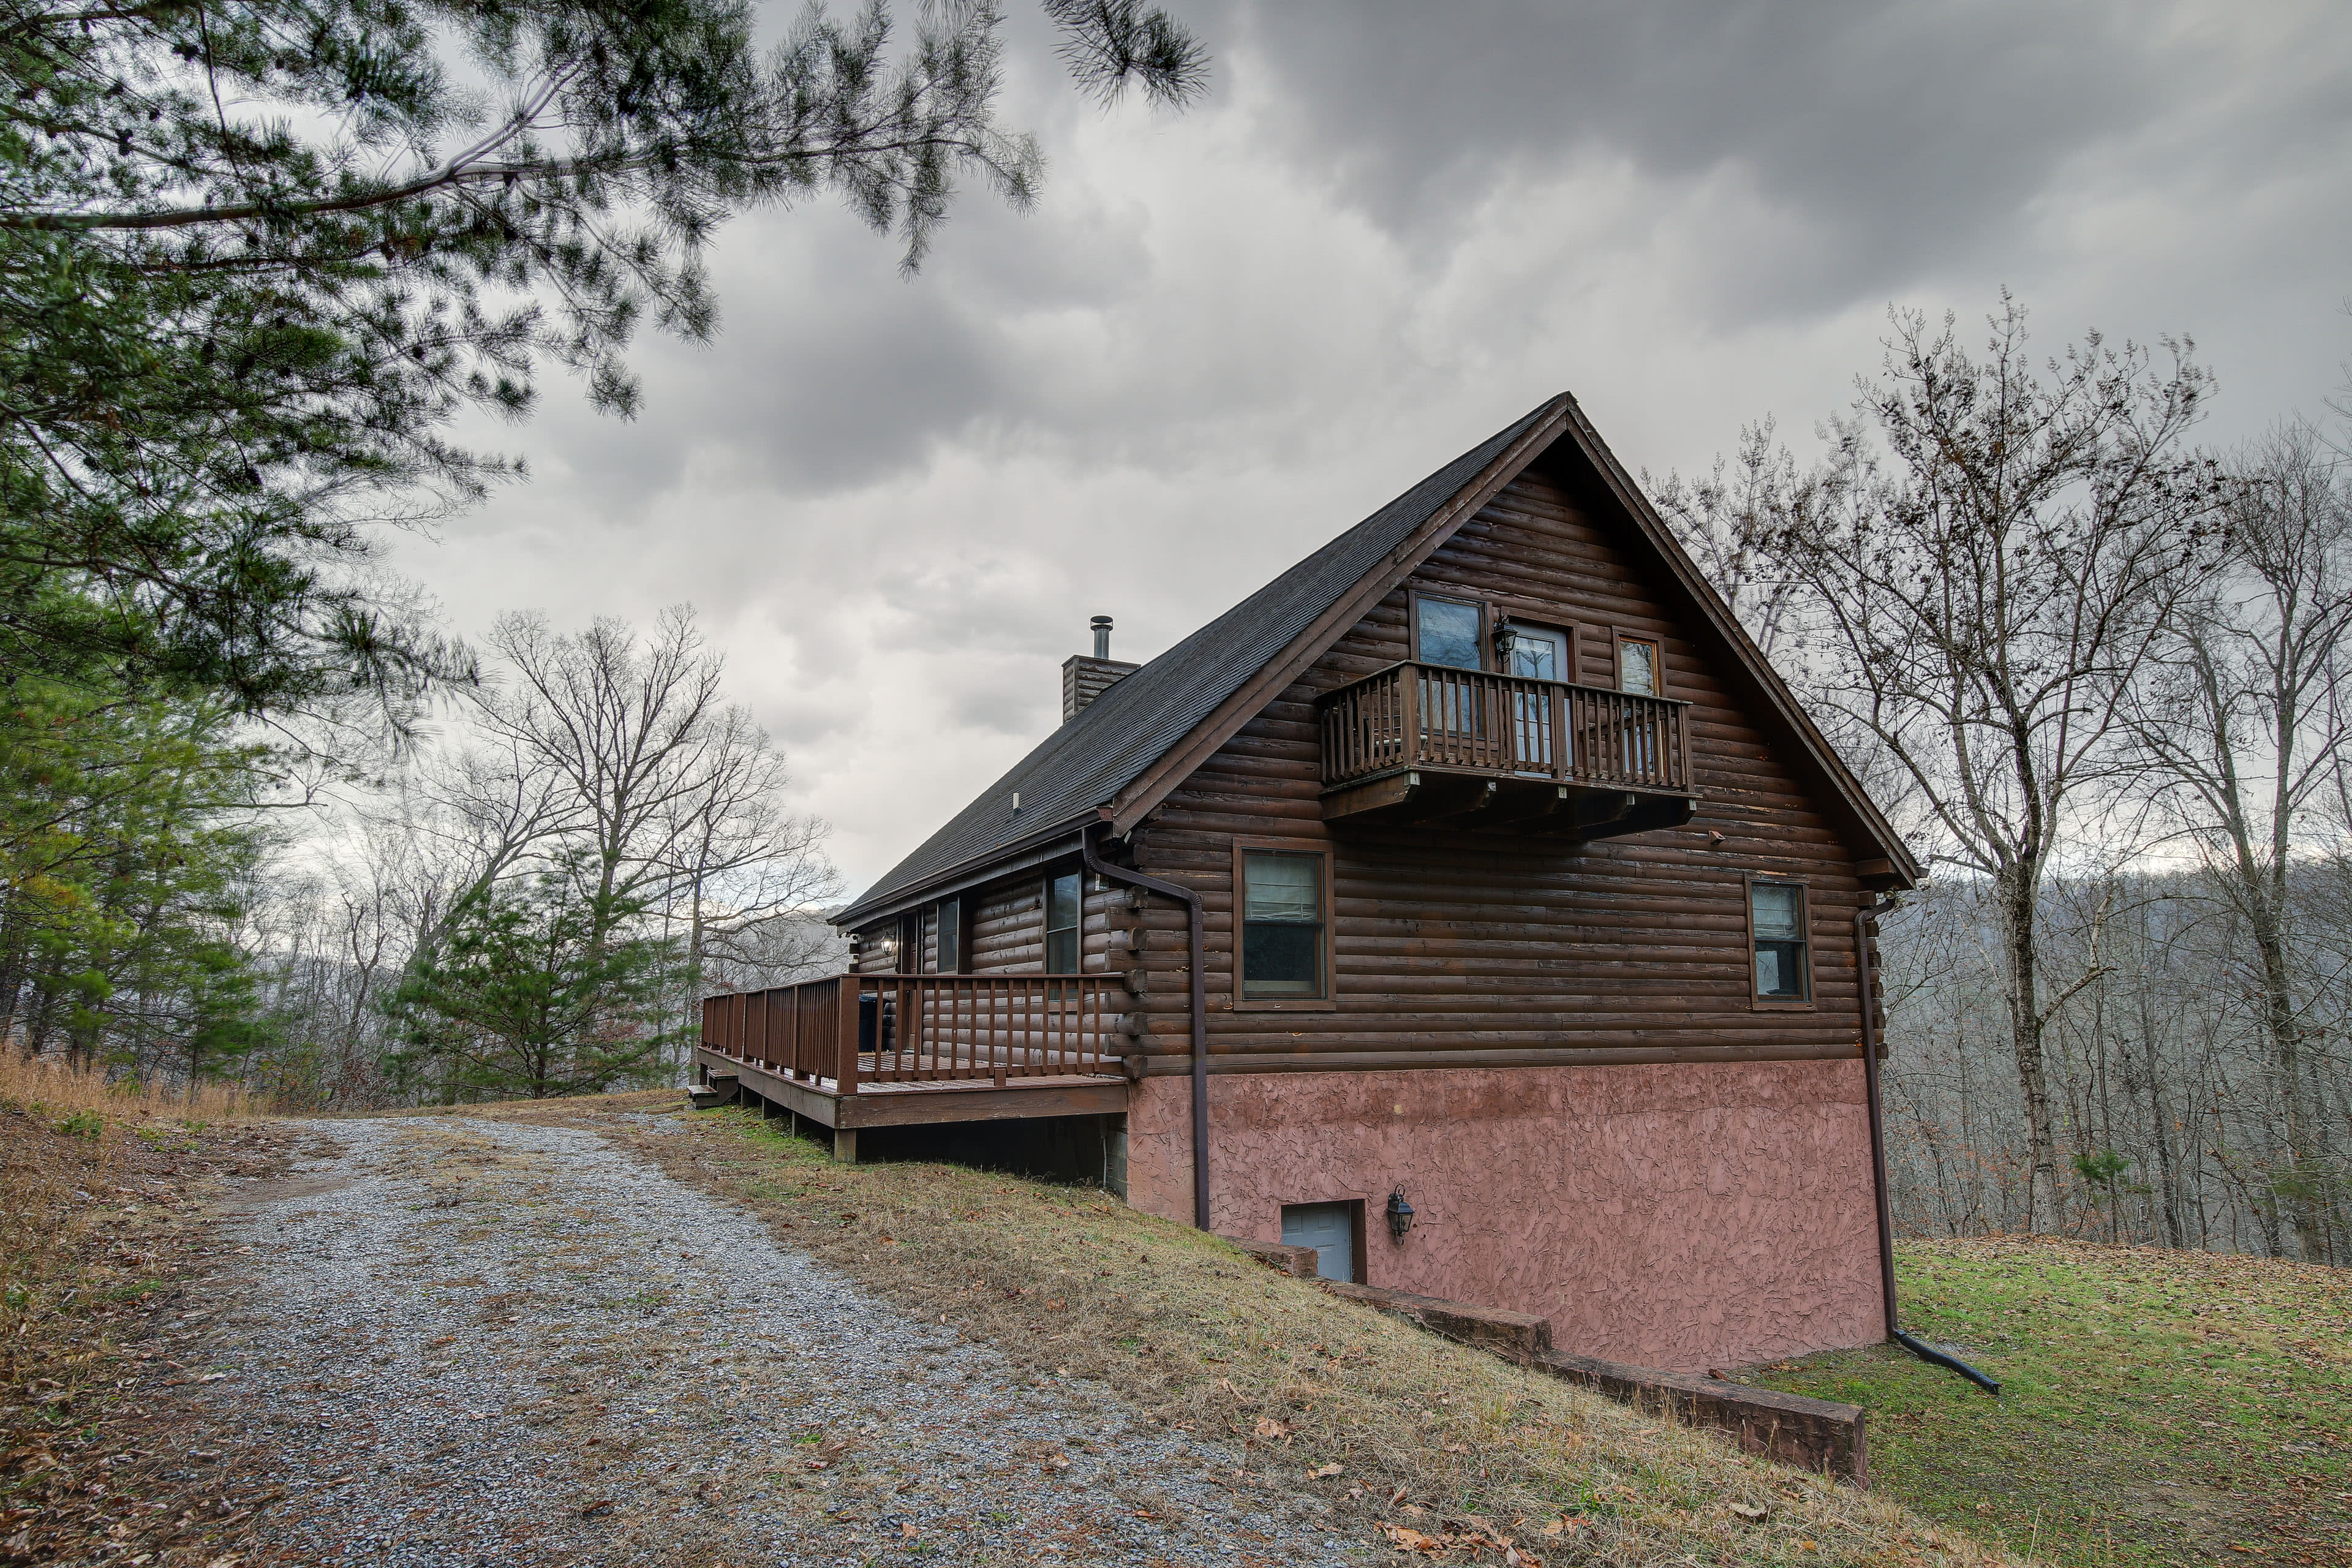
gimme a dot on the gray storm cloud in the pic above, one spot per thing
(1222, 337)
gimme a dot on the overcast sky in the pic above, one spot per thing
(1222, 337)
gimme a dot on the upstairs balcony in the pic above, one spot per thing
(1423, 743)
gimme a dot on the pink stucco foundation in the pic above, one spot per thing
(1679, 1216)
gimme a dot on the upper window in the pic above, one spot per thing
(1063, 909)
(1775, 924)
(1446, 631)
(1539, 653)
(949, 916)
(1281, 925)
(1637, 666)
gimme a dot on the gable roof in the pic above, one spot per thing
(1149, 731)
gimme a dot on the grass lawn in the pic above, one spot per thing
(2156, 1406)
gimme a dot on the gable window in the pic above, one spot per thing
(1064, 907)
(1776, 930)
(1446, 631)
(949, 916)
(1282, 926)
(1637, 666)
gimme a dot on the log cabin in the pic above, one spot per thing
(1472, 902)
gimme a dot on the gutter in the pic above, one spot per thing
(1865, 916)
(1199, 1006)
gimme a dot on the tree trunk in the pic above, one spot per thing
(2285, 1031)
(2016, 890)
(2168, 1191)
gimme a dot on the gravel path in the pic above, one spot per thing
(470, 1342)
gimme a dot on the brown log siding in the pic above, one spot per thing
(1455, 946)
(1008, 928)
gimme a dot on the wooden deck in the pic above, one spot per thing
(1421, 744)
(896, 1050)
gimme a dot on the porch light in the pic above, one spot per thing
(1506, 639)
(1400, 1215)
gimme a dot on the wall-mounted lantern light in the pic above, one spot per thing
(1506, 639)
(1400, 1215)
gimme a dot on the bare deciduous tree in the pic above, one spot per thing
(2239, 717)
(1981, 563)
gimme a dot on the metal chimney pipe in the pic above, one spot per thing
(1101, 625)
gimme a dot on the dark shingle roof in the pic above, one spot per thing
(1129, 727)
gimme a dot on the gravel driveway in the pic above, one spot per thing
(472, 1342)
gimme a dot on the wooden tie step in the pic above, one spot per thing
(717, 1087)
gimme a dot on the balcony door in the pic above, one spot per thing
(1538, 653)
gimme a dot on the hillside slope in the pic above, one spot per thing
(2156, 1406)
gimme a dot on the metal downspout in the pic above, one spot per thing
(1869, 988)
(1863, 916)
(1200, 1010)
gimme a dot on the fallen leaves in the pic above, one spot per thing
(1323, 1472)
(1480, 1538)
(826, 1454)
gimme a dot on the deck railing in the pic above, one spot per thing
(1429, 716)
(923, 1029)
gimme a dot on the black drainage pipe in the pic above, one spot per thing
(1868, 916)
(1929, 1353)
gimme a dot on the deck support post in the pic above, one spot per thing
(845, 1145)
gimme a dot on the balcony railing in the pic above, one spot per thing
(1467, 721)
(845, 1031)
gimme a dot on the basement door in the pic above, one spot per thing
(1331, 1230)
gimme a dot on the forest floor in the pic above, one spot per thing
(112, 1232)
(609, 1332)
(2156, 1406)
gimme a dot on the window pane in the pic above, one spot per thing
(1280, 958)
(1776, 907)
(1449, 634)
(1538, 656)
(1781, 970)
(1062, 910)
(1283, 887)
(1637, 665)
(951, 927)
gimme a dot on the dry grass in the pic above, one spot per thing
(1431, 1450)
(102, 1238)
(48, 1091)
